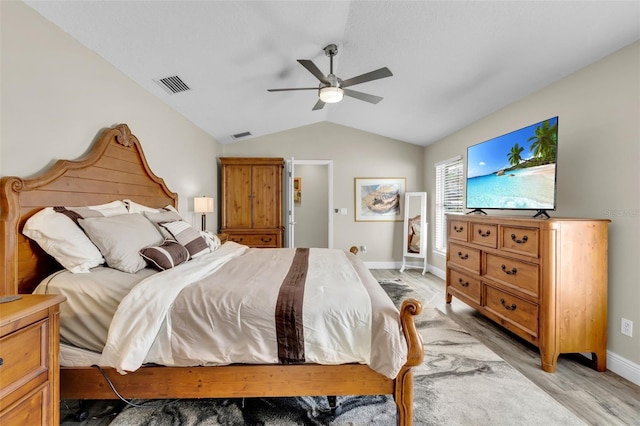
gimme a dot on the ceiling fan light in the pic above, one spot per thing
(331, 95)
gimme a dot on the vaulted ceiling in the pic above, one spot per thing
(453, 62)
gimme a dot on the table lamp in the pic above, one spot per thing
(203, 205)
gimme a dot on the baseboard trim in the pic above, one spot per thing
(437, 272)
(397, 265)
(623, 367)
(383, 265)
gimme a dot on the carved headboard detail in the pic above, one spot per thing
(114, 169)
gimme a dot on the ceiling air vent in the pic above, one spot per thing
(173, 84)
(241, 135)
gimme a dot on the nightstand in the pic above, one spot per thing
(29, 370)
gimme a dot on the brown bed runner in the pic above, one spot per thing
(288, 315)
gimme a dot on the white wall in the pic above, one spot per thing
(598, 157)
(355, 154)
(57, 95)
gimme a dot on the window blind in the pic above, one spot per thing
(449, 196)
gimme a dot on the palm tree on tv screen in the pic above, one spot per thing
(514, 155)
(544, 141)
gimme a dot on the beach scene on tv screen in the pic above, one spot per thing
(516, 170)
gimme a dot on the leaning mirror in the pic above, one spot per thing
(414, 250)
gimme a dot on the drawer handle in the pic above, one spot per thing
(265, 240)
(463, 283)
(463, 256)
(458, 229)
(508, 308)
(236, 240)
(1, 362)
(517, 241)
(513, 271)
(486, 234)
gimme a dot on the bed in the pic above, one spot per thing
(115, 169)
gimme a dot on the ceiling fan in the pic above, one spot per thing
(331, 88)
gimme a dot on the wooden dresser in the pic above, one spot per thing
(29, 370)
(543, 279)
(252, 200)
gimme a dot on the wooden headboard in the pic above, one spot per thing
(114, 169)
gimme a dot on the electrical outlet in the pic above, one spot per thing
(626, 327)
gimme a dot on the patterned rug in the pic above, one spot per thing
(461, 382)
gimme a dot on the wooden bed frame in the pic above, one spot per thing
(116, 169)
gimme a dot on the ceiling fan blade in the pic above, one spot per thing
(313, 69)
(318, 105)
(362, 96)
(373, 75)
(292, 88)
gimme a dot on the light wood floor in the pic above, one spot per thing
(597, 398)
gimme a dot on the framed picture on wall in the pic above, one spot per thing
(379, 199)
(297, 189)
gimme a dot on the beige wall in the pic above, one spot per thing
(355, 154)
(311, 217)
(598, 157)
(57, 95)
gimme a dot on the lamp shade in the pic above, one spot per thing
(203, 204)
(331, 95)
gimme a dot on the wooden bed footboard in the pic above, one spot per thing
(238, 381)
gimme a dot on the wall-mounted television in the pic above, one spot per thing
(515, 171)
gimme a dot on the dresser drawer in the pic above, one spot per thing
(514, 273)
(29, 348)
(29, 410)
(519, 240)
(512, 309)
(465, 257)
(464, 284)
(484, 235)
(24, 357)
(458, 230)
(263, 240)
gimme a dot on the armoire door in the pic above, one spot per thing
(237, 196)
(267, 196)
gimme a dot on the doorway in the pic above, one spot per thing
(309, 203)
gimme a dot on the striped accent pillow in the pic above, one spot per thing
(166, 256)
(186, 235)
(83, 212)
(162, 217)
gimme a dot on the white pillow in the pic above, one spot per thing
(62, 238)
(120, 239)
(134, 207)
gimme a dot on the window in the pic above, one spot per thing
(449, 196)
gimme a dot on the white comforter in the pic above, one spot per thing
(219, 308)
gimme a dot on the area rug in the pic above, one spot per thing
(460, 382)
